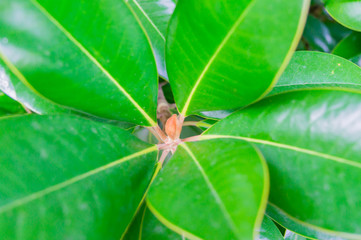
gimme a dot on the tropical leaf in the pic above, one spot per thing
(346, 12)
(155, 15)
(218, 65)
(95, 59)
(147, 227)
(9, 107)
(318, 70)
(293, 236)
(203, 186)
(318, 36)
(312, 142)
(269, 230)
(350, 47)
(69, 178)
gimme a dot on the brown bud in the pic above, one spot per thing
(173, 127)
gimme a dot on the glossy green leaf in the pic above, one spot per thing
(269, 230)
(9, 107)
(203, 187)
(88, 56)
(217, 59)
(293, 236)
(312, 143)
(356, 59)
(69, 178)
(147, 227)
(155, 15)
(350, 47)
(318, 36)
(291, 223)
(346, 12)
(318, 70)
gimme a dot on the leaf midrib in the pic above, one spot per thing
(149, 19)
(215, 54)
(285, 146)
(93, 59)
(213, 191)
(73, 180)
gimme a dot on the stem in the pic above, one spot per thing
(163, 156)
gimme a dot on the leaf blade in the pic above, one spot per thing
(81, 185)
(193, 183)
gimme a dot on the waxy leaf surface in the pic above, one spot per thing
(318, 70)
(226, 54)
(203, 187)
(311, 141)
(269, 230)
(350, 48)
(66, 177)
(9, 107)
(346, 12)
(88, 56)
(147, 227)
(155, 15)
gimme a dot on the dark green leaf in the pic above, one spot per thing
(154, 15)
(69, 178)
(89, 56)
(8, 106)
(222, 64)
(346, 12)
(349, 47)
(147, 227)
(318, 70)
(269, 230)
(292, 223)
(312, 143)
(204, 186)
(318, 36)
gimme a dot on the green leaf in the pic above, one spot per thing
(312, 143)
(318, 70)
(203, 187)
(356, 59)
(9, 107)
(155, 15)
(292, 223)
(222, 64)
(346, 12)
(147, 227)
(269, 230)
(66, 177)
(349, 47)
(95, 59)
(293, 236)
(318, 36)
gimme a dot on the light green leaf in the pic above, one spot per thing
(318, 70)
(88, 56)
(346, 12)
(69, 178)
(155, 15)
(9, 107)
(269, 230)
(217, 59)
(312, 143)
(203, 187)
